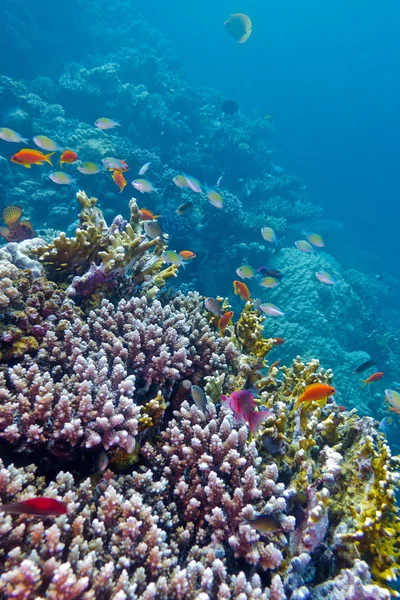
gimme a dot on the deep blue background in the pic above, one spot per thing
(328, 72)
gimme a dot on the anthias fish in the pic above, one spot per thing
(28, 156)
(243, 406)
(224, 321)
(39, 506)
(241, 290)
(374, 377)
(316, 392)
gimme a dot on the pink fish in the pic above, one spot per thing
(243, 406)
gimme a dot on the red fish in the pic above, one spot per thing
(147, 215)
(278, 341)
(374, 377)
(275, 364)
(242, 404)
(224, 321)
(68, 157)
(36, 506)
(316, 392)
(242, 290)
(16, 230)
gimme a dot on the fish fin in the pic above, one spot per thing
(47, 158)
(255, 418)
(5, 233)
(11, 214)
(321, 403)
(25, 165)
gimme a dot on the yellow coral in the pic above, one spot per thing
(249, 330)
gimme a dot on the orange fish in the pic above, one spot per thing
(241, 288)
(278, 341)
(147, 215)
(68, 157)
(119, 179)
(16, 230)
(374, 377)
(224, 321)
(275, 364)
(36, 506)
(27, 157)
(317, 392)
(187, 255)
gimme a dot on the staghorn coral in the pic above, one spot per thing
(88, 380)
(175, 527)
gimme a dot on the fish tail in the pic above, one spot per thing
(24, 140)
(255, 418)
(47, 158)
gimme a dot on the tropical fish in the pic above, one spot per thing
(153, 229)
(68, 157)
(239, 26)
(193, 183)
(271, 310)
(242, 290)
(386, 423)
(269, 282)
(278, 341)
(144, 186)
(101, 463)
(16, 230)
(89, 168)
(104, 123)
(119, 179)
(39, 506)
(144, 168)
(267, 272)
(274, 365)
(184, 208)
(147, 215)
(213, 306)
(180, 181)
(28, 157)
(230, 107)
(187, 254)
(61, 178)
(269, 235)
(393, 398)
(304, 246)
(316, 392)
(246, 272)
(366, 365)
(45, 143)
(374, 377)
(325, 277)
(224, 321)
(264, 523)
(214, 197)
(171, 257)
(243, 406)
(315, 239)
(199, 397)
(114, 164)
(9, 135)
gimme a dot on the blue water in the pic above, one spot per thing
(327, 72)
